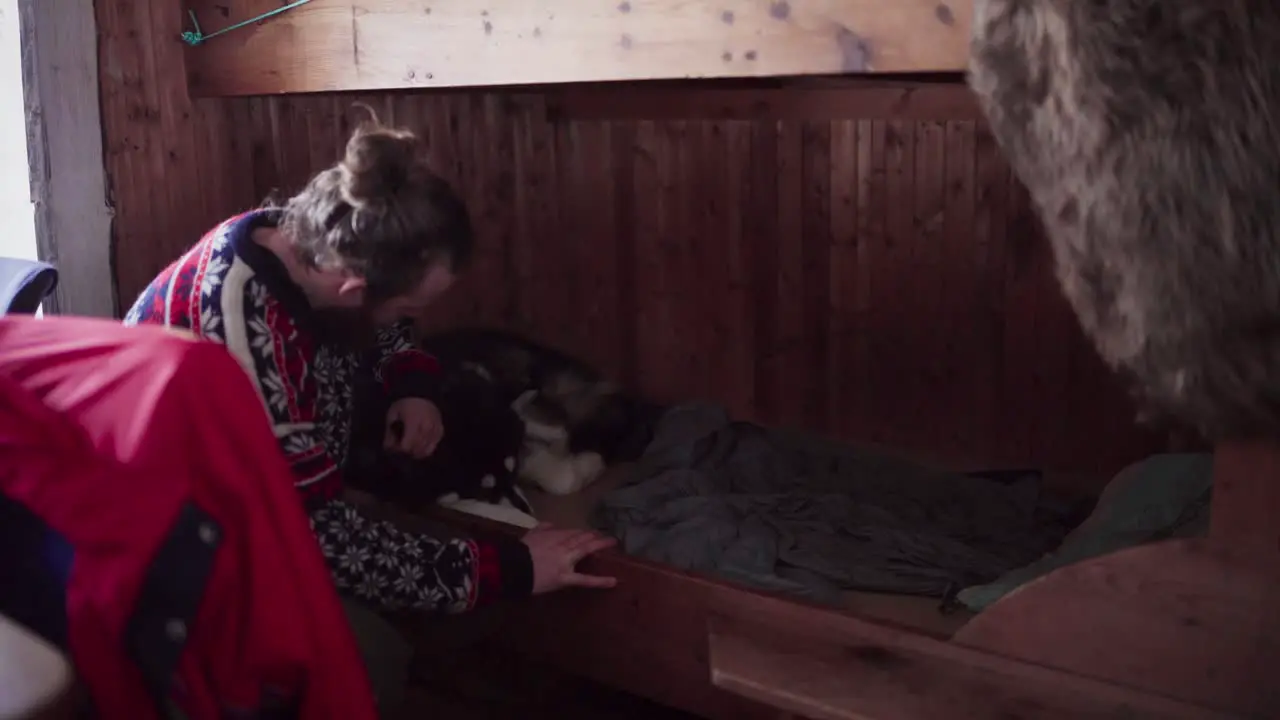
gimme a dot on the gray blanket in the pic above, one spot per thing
(790, 513)
(1162, 496)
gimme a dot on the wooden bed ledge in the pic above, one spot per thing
(1032, 655)
(1176, 629)
(832, 667)
(332, 45)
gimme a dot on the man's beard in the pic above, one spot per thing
(348, 329)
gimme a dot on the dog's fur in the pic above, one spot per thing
(1148, 134)
(473, 469)
(576, 421)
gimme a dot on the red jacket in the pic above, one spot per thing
(97, 438)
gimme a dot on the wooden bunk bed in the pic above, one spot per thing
(1184, 629)
(1099, 638)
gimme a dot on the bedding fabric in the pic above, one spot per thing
(782, 511)
(1164, 496)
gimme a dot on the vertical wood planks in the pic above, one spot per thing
(863, 269)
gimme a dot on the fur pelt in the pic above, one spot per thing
(1148, 135)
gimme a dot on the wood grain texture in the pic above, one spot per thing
(829, 666)
(720, 650)
(1188, 619)
(65, 152)
(646, 636)
(852, 258)
(174, 166)
(329, 45)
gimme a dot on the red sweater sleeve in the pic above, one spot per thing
(404, 369)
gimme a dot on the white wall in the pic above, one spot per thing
(17, 213)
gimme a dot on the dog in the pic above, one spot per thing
(1148, 135)
(474, 468)
(575, 421)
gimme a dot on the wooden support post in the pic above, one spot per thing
(65, 148)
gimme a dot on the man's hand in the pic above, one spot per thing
(419, 427)
(557, 552)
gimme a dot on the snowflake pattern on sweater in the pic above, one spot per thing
(230, 290)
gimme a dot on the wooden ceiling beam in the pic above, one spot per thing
(333, 45)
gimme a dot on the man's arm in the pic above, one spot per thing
(373, 560)
(404, 369)
(394, 569)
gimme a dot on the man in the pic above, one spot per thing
(311, 296)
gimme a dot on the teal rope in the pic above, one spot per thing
(195, 37)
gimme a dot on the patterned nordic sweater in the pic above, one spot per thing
(230, 290)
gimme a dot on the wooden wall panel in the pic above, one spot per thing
(374, 45)
(173, 165)
(858, 266)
